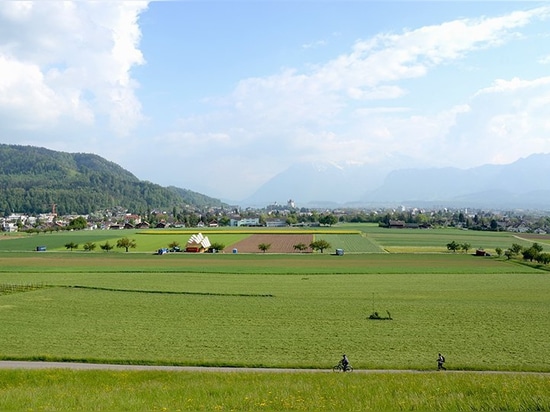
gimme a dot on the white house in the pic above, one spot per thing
(249, 221)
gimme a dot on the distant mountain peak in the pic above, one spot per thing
(340, 183)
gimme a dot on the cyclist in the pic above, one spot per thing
(345, 362)
(440, 362)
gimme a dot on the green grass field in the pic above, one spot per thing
(297, 310)
(276, 311)
(435, 240)
(54, 390)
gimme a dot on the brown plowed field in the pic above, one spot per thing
(279, 243)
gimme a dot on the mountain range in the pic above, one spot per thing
(521, 184)
(32, 179)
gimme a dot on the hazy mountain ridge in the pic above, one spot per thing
(317, 184)
(32, 179)
(521, 184)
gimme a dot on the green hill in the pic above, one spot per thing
(32, 179)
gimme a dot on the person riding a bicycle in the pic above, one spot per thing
(345, 362)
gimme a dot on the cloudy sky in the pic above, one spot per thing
(220, 96)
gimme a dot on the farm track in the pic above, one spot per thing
(36, 365)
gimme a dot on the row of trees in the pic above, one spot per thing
(533, 253)
(127, 244)
(319, 245)
(454, 246)
(124, 243)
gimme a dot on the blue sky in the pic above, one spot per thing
(220, 96)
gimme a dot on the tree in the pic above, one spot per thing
(328, 220)
(89, 246)
(106, 246)
(532, 253)
(217, 246)
(173, 245)
(499, 251)
(224, 221)
(516, 248)
(264, 247)
(544, 258)
(320, 245)
(465, 247)
(300, 247)
(453, 246)
(537, 247)
(126, 243)
(71, 245)
(78, 223)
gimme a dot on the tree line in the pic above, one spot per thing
(533, 253)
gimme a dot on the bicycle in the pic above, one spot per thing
(340, 368)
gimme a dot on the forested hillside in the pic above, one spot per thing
(32, 179)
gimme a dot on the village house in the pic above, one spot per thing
(249, 221)
(275, 223)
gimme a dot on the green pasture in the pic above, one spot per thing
(35, 264)
(146, 241)
(300, 311)
(351, 243)
(435, 240)
(54, 390)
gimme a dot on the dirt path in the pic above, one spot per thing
(106, 366)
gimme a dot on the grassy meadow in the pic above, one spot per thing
(277, 311)
(50, 390)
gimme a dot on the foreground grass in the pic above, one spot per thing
(50, 390)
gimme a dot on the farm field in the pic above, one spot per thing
(352, 238)
(435, 240)
(276, 310)
(282, 243)
(297, 311)
(351, 243)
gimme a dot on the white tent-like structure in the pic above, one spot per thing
(197, 243)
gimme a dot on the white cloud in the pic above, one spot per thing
(341, 111)
(65, 65)
(514, 85)
(508, 120)
(316, 44)
(314, 114)
(69, 60)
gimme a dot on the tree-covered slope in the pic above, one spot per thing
(32, 179)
